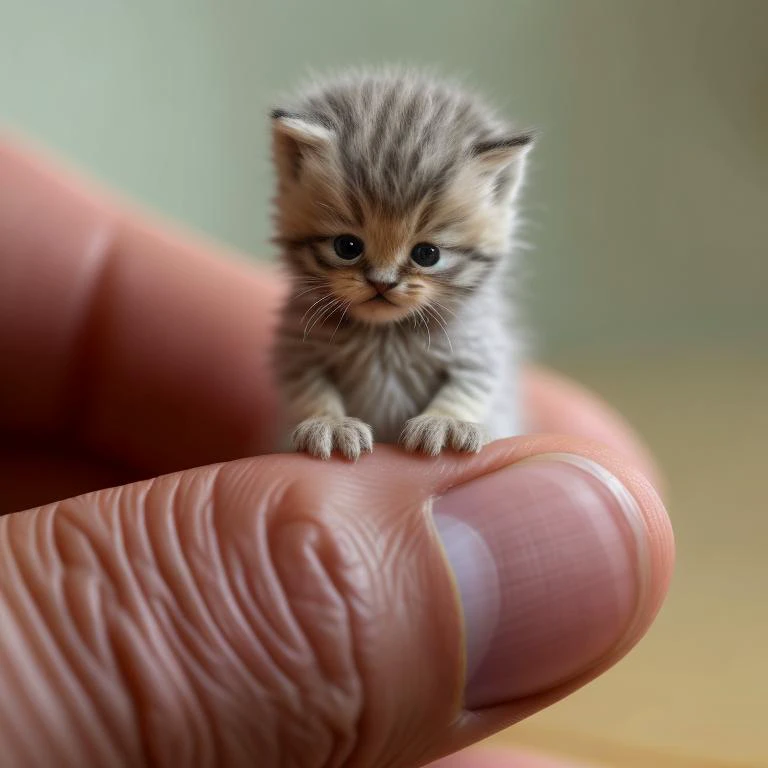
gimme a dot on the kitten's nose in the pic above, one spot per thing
(382, 287)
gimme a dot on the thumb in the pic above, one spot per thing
(291, 612)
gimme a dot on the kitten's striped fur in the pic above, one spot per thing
(396, 159)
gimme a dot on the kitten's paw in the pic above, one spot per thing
(322, 436)
(431, 434)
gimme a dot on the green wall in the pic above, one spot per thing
(647, 205)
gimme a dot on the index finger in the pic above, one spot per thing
(141, 343)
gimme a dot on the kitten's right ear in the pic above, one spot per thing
(294, 138)
(503, 160)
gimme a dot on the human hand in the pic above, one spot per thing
(272, 610)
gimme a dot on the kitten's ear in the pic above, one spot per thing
(503, 160)
(294, 138)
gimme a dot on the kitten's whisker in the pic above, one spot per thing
(322, 298)
(435, 313)
(335, 308)
(435, 309)
(320, 313)
(341, 319)
(311, 307)
(327, 301)
(447, 335)
(308, 290)
(442, 306)
(325, 314)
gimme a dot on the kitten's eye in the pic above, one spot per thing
(348, 247)
(425, 254)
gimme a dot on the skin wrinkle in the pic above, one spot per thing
(160, 592)
(202, 638)
(300, 628)
(20, 592)
(329, 563)
(205, 697)
(346, 583)
(310, 546)
(140, 610)
(137, 632)
(18, 711)
(271, 598)
(294, 714)
(89, 632)
(151, 702)
(75, 678)
(238, 595)
(61, 636)
(241, 604)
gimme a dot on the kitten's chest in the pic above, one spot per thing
(387, 378)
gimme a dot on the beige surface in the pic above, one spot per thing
(695, 692)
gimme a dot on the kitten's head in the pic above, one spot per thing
(395, 193)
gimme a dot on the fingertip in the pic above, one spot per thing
(558, 405)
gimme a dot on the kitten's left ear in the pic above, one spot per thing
(503, 160)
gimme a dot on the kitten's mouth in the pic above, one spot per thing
(378, 309)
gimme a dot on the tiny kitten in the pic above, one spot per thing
(395, 214)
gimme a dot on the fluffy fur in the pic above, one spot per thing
(380, 346)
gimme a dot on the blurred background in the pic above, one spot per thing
(647, 212)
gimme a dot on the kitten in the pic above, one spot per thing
(395, 213)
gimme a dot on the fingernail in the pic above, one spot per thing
(550, 559)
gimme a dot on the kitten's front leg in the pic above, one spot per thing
(452, 420)
(323, 426)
